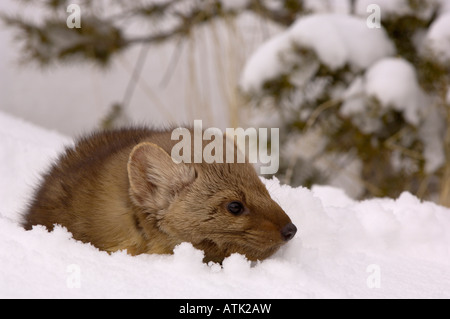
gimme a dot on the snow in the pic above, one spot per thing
(337, 40)
(394, 83)
(234, 4)
(438, 39)
(380, 248)
(388, 7)
(336, 6)
(396, 8)
(266, 63)
(22, 161)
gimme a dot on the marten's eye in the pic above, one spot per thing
(236, 208)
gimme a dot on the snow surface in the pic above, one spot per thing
(378, 248)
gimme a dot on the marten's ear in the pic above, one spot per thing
(154, 178)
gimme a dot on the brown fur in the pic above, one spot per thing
(121, 190)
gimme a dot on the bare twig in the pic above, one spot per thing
(445, 184)
(173, 63)
(135, 76)
(321, 108)
(390, 143)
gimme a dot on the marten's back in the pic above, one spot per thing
(75, 174)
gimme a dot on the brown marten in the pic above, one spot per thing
(122, 190)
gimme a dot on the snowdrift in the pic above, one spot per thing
(379, 248)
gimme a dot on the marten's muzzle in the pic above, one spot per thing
(288, 232)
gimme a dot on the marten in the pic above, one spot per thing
(121, 190)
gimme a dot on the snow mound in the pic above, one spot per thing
(438, 39)
(337, 40)
(393, 81)
(379, 248)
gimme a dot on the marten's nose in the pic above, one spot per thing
(288, 232)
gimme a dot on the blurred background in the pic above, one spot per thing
(359, 89)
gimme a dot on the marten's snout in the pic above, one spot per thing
(288, 232)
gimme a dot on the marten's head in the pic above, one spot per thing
(219, 208)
